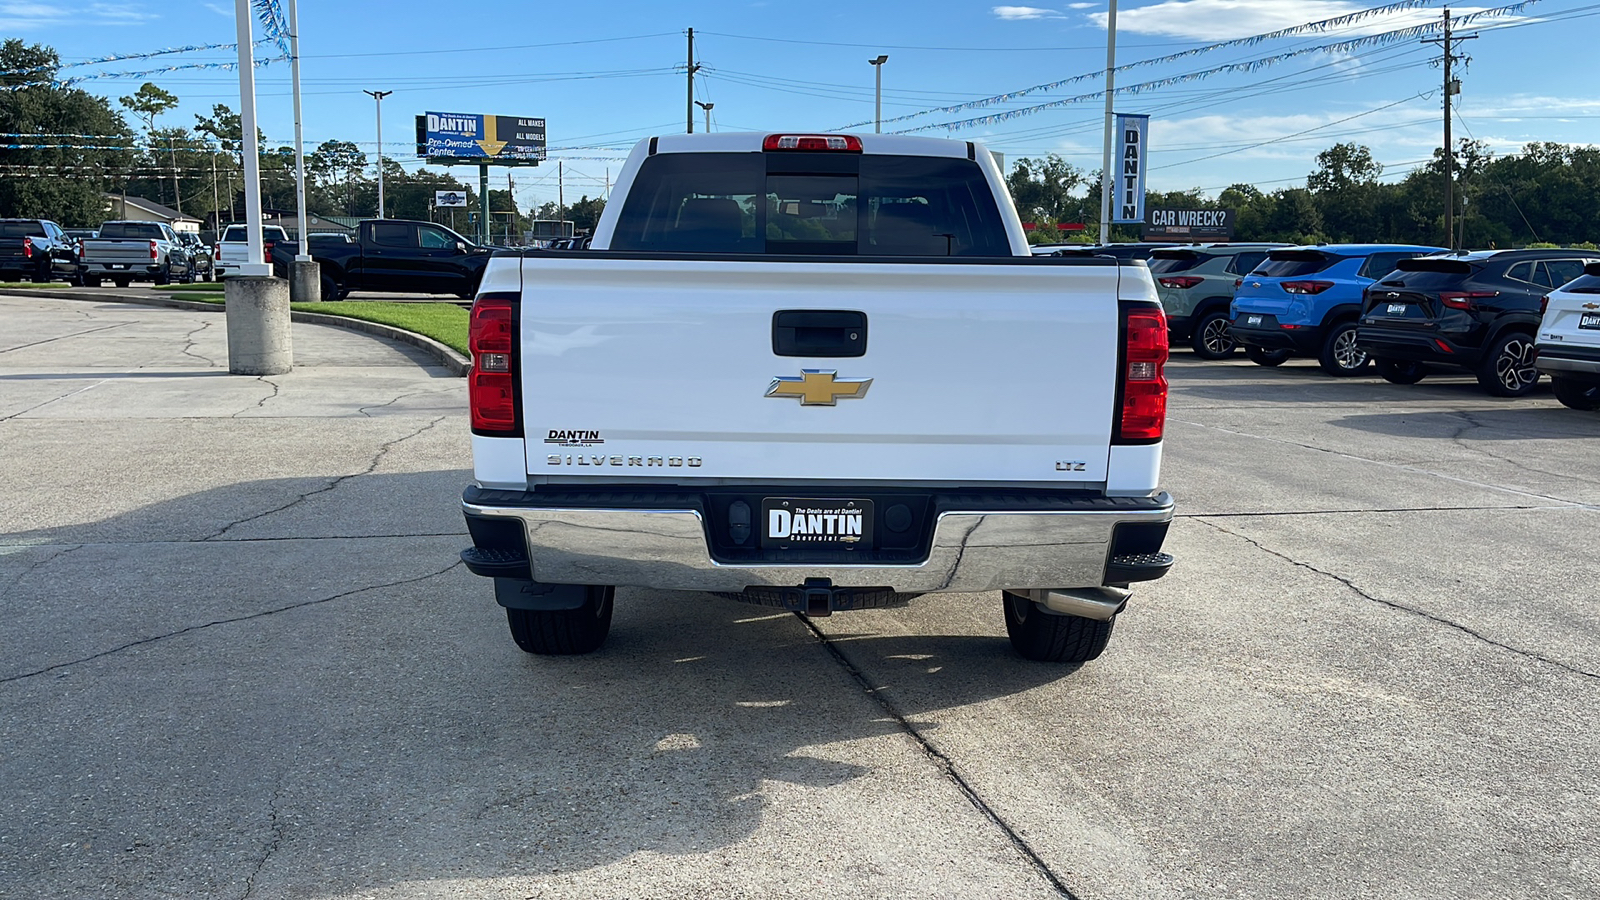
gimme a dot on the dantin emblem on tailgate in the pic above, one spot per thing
(818, 387)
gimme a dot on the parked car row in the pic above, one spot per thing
(121, 252)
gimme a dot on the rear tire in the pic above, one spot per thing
(564, 632)
(164, 276)
(91, 280)
(1048, 637)
(1212, 339)
(1261, 356)
(122, 282)
(1584, 395)
(1340, 356)
(330, 290)
(1507, 366)
(1401, 371)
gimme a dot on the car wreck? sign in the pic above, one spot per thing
(1189, 224)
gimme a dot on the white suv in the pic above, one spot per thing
(233, 250)
(1569, 340)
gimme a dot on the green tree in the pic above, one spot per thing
(585, 214)
(1042, 189)
(64, 179)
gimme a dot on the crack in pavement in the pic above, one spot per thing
(1481, 447)
(66, 336)
(363, 410)
(276, 388)
(191, 343)
(341, 479)
(272, 846)
(1416, 470)
(233, 621)
(1401, 607)
(35, 565)
(944, 764)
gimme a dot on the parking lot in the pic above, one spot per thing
(240, 659)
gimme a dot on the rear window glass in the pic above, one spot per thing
(1245, 263)
(1292, 264)
(1586, 284)
(21, 229)
(132, 230)
(1162, 262)
(1381, 264)
(866, 205)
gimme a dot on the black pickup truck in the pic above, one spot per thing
(394, 255)
(37, 249)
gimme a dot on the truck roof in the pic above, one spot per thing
(750, 142)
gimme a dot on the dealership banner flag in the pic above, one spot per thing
(1128, 165)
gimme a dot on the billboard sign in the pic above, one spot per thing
(472, 136)
(445, 199)
(1127, 202)
(1188, 225)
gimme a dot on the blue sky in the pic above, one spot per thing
(605, 75)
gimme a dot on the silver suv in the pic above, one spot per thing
(1196, 283)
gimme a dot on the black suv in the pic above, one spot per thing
(1477, 310)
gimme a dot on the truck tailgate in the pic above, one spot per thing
(127, 251)
(984, 371)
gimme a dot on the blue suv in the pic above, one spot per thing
(1305, 301)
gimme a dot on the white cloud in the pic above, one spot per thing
(1221, 20)
(1082, 5)
(19, 15)
(219, 9)
(1017, 13)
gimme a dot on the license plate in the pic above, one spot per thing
(809, 522)
(1397, 309)
(119, 265)
(1252, 320)
(1589, 320)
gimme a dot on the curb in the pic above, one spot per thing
(453, 362)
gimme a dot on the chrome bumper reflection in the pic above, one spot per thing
(971, 550)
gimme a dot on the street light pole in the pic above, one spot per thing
(707, 108)
(378, 96)
(304, 253)
(1105, 166)
(877, 103)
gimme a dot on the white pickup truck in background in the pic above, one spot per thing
(233, 248)
(816, 372)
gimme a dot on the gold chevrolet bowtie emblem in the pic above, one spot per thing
(818, 387)
(1591, 306)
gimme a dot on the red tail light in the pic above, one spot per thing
(155, 254)
(843, 143)
(1544, 304)
(1181, 281)
(266, 247)
(1463, 299)
(492, 392)
(27, 248)
(216, 251)
(1143, 416)
(1237, 282)
(1306, 287)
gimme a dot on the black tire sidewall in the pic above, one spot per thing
(1197, 339)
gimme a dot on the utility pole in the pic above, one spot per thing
(378, 96)
(692, 69)
(176, 193)
(561, 201)
(707, 108)
(1452, 86)
(1105, 167)
(216, 202)
(511, 217)
(877, 96)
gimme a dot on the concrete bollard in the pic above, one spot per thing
(258, 325)
(305, 281)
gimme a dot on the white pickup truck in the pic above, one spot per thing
(819, 373)
(233, 249)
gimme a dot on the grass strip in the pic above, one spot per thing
(33, 284)
(444, 322)
(197, 286)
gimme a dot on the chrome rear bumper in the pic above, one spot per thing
(970, 550)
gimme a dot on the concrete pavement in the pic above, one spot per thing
(239, 659)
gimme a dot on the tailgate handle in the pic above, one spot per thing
(819, 332)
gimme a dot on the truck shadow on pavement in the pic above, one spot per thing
(313, 707)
